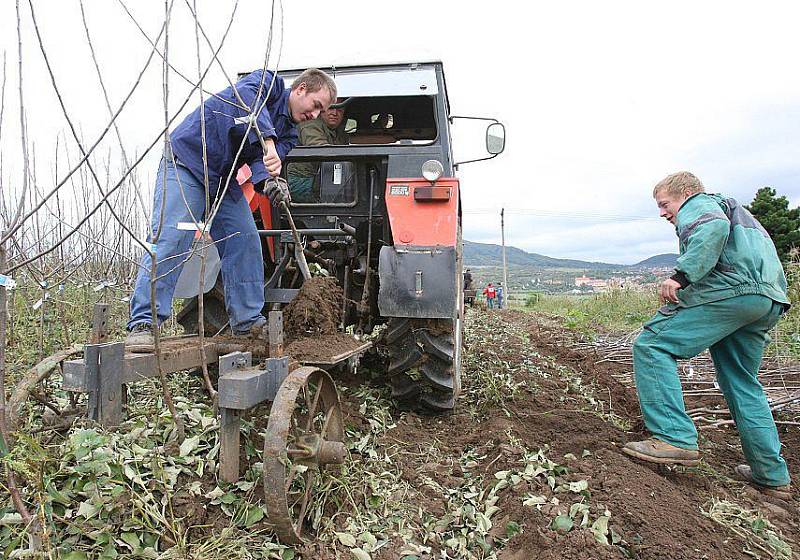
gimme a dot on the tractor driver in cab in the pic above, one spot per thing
(325, 130)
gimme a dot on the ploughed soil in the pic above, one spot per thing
(565, 402)
(656, 510)
(311, 322)
(315, 310)
(321, 348)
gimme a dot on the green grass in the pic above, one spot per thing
(626, 310)
(616, 310)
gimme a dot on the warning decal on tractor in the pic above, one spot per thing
(400, 190)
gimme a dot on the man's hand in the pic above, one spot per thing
(277, 190)
(668, 292)
(271, 160)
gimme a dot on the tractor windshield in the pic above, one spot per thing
(390, 120)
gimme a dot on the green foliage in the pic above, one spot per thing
(622, 310)
(489, 374)
(533, 299)
(782, 222)
(760, 536)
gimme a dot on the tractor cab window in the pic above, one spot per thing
(330, 183)
(404, 120)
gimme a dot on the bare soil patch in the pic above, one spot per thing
(317, 309)
(659, 507)
(655, 510)
(322, 347)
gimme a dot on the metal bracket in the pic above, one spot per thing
(99, 324)
(234, 361)
(275, 324)
(103, 381)
(244, 387)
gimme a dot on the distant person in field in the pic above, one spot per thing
(728, 291)
(326, 130)
(491, 293)
(499, 295)
(467, 280)
(180, 193)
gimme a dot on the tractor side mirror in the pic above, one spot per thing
(495, 138)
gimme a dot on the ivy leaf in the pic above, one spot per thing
(189, 445)
(360, 554)
(369, 538)
(228, 498)
(512, 528)
(600, 529)
(88, 509)
(346, 539)
(533, 501)
(109, 552)
(562, 523)
(252, 515)
(578, 486)
(132, 540)
(245, 485)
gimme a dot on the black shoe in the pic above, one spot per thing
(140, 338)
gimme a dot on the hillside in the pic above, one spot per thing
(488, 254)
(666, 260)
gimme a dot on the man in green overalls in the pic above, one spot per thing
(728, 291)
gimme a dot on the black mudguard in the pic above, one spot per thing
(418, 282)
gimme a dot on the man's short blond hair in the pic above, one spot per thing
(315, 80)
(678, 184)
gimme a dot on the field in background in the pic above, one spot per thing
(626, 310)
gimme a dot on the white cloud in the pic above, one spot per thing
(600, 100)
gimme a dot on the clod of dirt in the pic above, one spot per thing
(317, 309)
(321, 348)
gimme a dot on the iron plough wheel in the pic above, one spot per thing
(304, 433)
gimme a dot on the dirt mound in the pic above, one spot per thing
(321, 348)
(317, 309)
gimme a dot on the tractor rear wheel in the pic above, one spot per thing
(424, 366)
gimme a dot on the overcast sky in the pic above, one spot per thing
(600, 99)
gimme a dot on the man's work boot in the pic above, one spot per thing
(657, 451)
(781, 492)
(255, 332)
(140, 339)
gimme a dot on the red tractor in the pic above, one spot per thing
(383, 215)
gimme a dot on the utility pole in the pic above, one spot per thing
(505, 268)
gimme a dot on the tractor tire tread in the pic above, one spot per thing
(421, 369)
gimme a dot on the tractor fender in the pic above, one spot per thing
(417, 281)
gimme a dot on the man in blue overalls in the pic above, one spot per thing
(255, 124)
(728, 291)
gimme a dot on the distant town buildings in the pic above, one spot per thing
(633, 282)
(597, 284)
